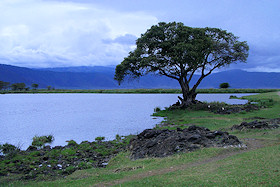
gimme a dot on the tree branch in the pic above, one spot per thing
(167, 75)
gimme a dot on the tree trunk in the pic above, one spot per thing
(188, 97)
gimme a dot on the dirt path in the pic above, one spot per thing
(251, 143)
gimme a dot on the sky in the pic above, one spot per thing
(58, 33)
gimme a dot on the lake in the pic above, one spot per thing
(82, 117)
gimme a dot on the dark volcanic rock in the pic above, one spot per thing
(232, 109)
(161, 143)
(268, 124)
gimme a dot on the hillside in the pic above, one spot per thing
(99, 77)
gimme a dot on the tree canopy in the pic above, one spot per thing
(179, 52)
(34, 86)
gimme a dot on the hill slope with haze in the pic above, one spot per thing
(99, 77)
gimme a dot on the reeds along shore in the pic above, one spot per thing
(142, 91)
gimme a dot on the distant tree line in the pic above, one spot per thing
(4, 85)
(19, 86)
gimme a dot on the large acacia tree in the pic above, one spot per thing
(179, 52)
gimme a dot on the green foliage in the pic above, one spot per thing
(85, 147)
(224, 85)
(136, 91)
(157, 109)
(72, 143)
(34, 86)
(9, 149)
(84, 165)
(68, 152)
(233, 97)
(100, 138)
(69, 169)
(178, 52)
(262, 102)
(118, 137)
(40, 141)
(18, 86)
(4, 85)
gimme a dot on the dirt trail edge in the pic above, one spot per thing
(252, 144)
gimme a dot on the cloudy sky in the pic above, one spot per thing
(55, 33)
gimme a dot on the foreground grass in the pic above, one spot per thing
(254, 168)
(205, 167)
(121, 166)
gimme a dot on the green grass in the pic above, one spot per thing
(143, 91)
(256, 167)
(121, 166)
(218, 121)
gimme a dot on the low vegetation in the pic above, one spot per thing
(139, 91)
(43, 162)
(256, 165)
(224, 85)
(40, 141)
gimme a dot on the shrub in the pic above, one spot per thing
(118, 137)
(157, 109)
(72, 143)
(233, 97)
(224, 85)
(40, 141)
(9, 149)
(100, 138)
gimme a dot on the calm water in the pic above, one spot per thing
(83, 116)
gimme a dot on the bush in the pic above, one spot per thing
(40, 141)
(224, 85)
(118, 137)
(72, 143)
(157, 109)
(9, 149)
(100, 138)
(233, 97)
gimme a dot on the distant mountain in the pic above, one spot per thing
(64, 80)
(101, 77)
(84, 69)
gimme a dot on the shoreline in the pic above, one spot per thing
(139, 91)
(66, 168)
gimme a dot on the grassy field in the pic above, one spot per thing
(142, 91)
(257, 165)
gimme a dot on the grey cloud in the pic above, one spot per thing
(127, 39)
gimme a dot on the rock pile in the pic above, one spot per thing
(161, 143)
(269, 124)
(232, 109)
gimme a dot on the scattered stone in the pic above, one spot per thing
(162, 143)
(59, 165)
(104, 164)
